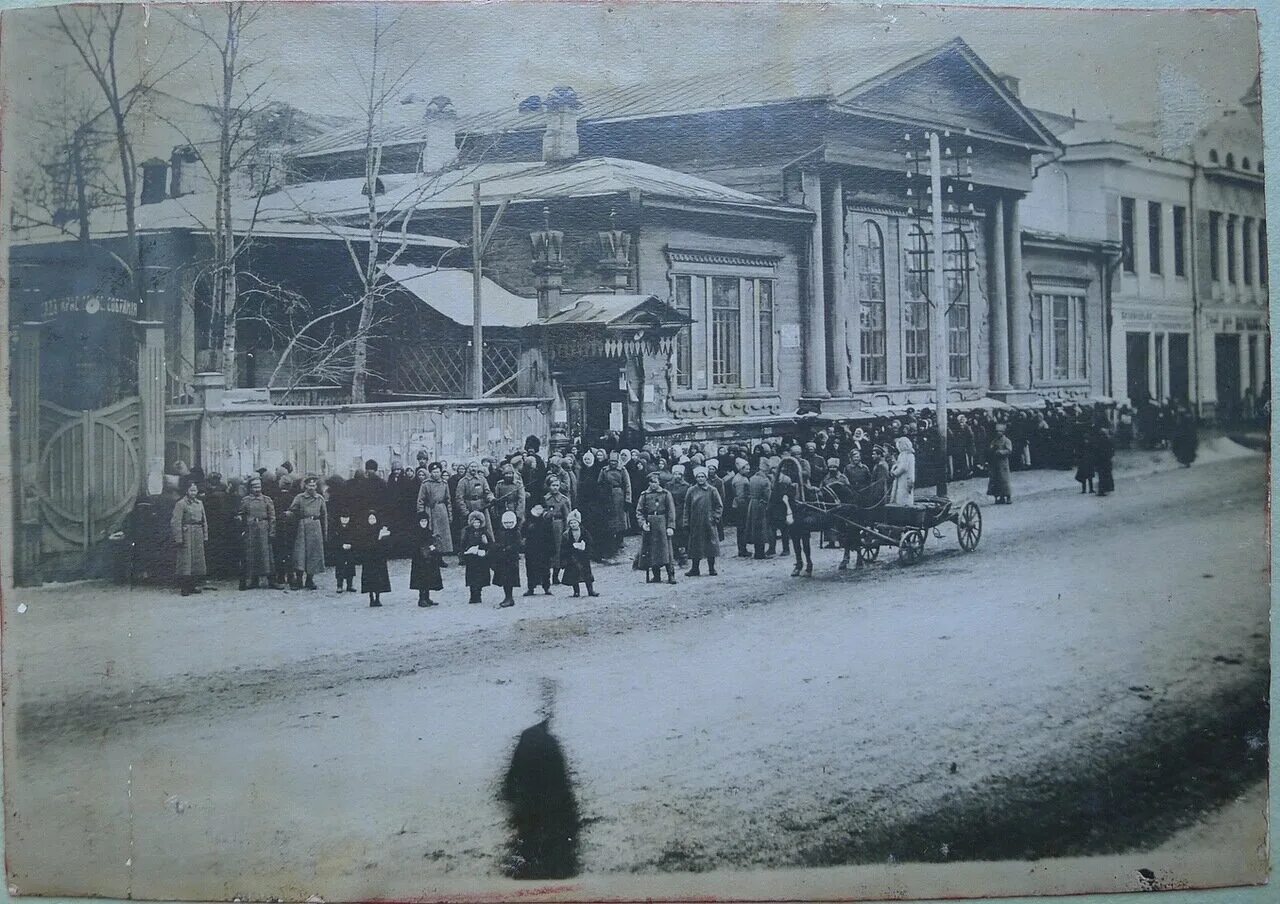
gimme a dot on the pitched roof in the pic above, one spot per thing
(609, 309)
(834, 76)
(449, 291)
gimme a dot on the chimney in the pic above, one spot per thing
(154, 173)
(560, 140)
(548, 266)
(615, 258)
(439, 147)
(1011, 83)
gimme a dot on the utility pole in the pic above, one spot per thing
(938, 289)
(477, 327)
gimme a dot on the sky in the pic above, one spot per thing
(1126, 65)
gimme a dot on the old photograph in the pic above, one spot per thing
(572, 451)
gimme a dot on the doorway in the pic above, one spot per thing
(1137, 360)
(1179, 367)
(1226, 349)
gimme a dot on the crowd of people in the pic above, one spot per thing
(563, 512)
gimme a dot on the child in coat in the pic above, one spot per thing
(343, 540)
(473, 543)
(576, 551)
(424, 572)
(539, 549)
(374, 549)
(506, 558)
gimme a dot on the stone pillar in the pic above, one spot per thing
(210, 388)
(815, 357)
(1260, 363)
(841, 351)
(26, 400)
(1019, 305)
(151, 391)
(1245, 375)
(999, 317)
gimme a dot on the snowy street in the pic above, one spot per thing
(1094, 673)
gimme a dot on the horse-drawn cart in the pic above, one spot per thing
(868, 528)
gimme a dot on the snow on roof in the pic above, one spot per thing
(605, 308)
(449, 291)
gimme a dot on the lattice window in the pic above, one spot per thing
(442, 370)
(501, 361)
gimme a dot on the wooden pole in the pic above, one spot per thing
(941, 361)
(477, 328)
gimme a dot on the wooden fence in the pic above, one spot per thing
(338, 439)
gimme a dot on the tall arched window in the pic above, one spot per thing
(915, 308)
(872, 344)
(957, 273)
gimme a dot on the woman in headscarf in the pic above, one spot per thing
(474, 550)
(576, 544)
(539, 546)
(505, 560)
(587, 498)
(657, 514)
(190, 530)
(424, 571)
(998, 455)
(375, 547)
(903, 473)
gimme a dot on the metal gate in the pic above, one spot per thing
(88, 472)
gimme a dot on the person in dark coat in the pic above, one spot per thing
(1084, 462)
(794, 490)
(556, 506)
(1104, 451)
(375, 547)
(539, 548)
(615, 499)
(505, 557)
(679, 489)
(736, 503)
(310, 516)
(533, 471)
(1184, 440)
(998, 454)
(286, 532)
(576, 544)
(474, 548)
(701, 513)
(758, 494)
(190, 531)
(657, 514)
(258, 517)
(220, 510)
(714, 478)
(424, 570)
(342, 550)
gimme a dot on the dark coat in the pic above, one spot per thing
(702, 510)
(998, 481)
(374, 551)
(424, 572)
(577, 562)
(759, 493)
(343, 552)
(615, 498)
(504, 557)
(477, 566)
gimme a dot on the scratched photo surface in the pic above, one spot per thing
(641, 451)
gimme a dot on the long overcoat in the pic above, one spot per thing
(656, 513)
(504, 557)
(758, 495)
(904, 479)
(374, 551)
(259, 516)
(998, 453)
(190, 529)
(703, 509)
(556, 510)
(615, 492)
(424, 568)
(433, 501)
(312, 517)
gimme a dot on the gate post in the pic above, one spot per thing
(26, 397)
(151, 392)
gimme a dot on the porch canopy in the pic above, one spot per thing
(616, 325)
(449, 292)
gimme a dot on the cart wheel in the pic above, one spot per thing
(912, 547)
(969, 526)
(870, 548)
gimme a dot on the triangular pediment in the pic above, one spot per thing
(950, 86)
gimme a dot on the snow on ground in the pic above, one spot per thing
(277, 743)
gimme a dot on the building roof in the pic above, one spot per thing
(449, 291)
(608, 309)
(843, 76)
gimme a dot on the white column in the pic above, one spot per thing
(151, 390)
(1260, 362)
(1162, 340)
(1019, 305)
(842, 359)
(815, 357)
(1151, 366)
(1244, 359)
(998, 320)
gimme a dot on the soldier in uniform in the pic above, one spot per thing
(679, 489)
(756, 520)
(474, 497)
(736, 502)
(433, 501)
(190, 530)
(311, 517)
(258, 515)
(557, 507)
(509, 494)
(701, 513)
(657, 514)
(615, 499)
